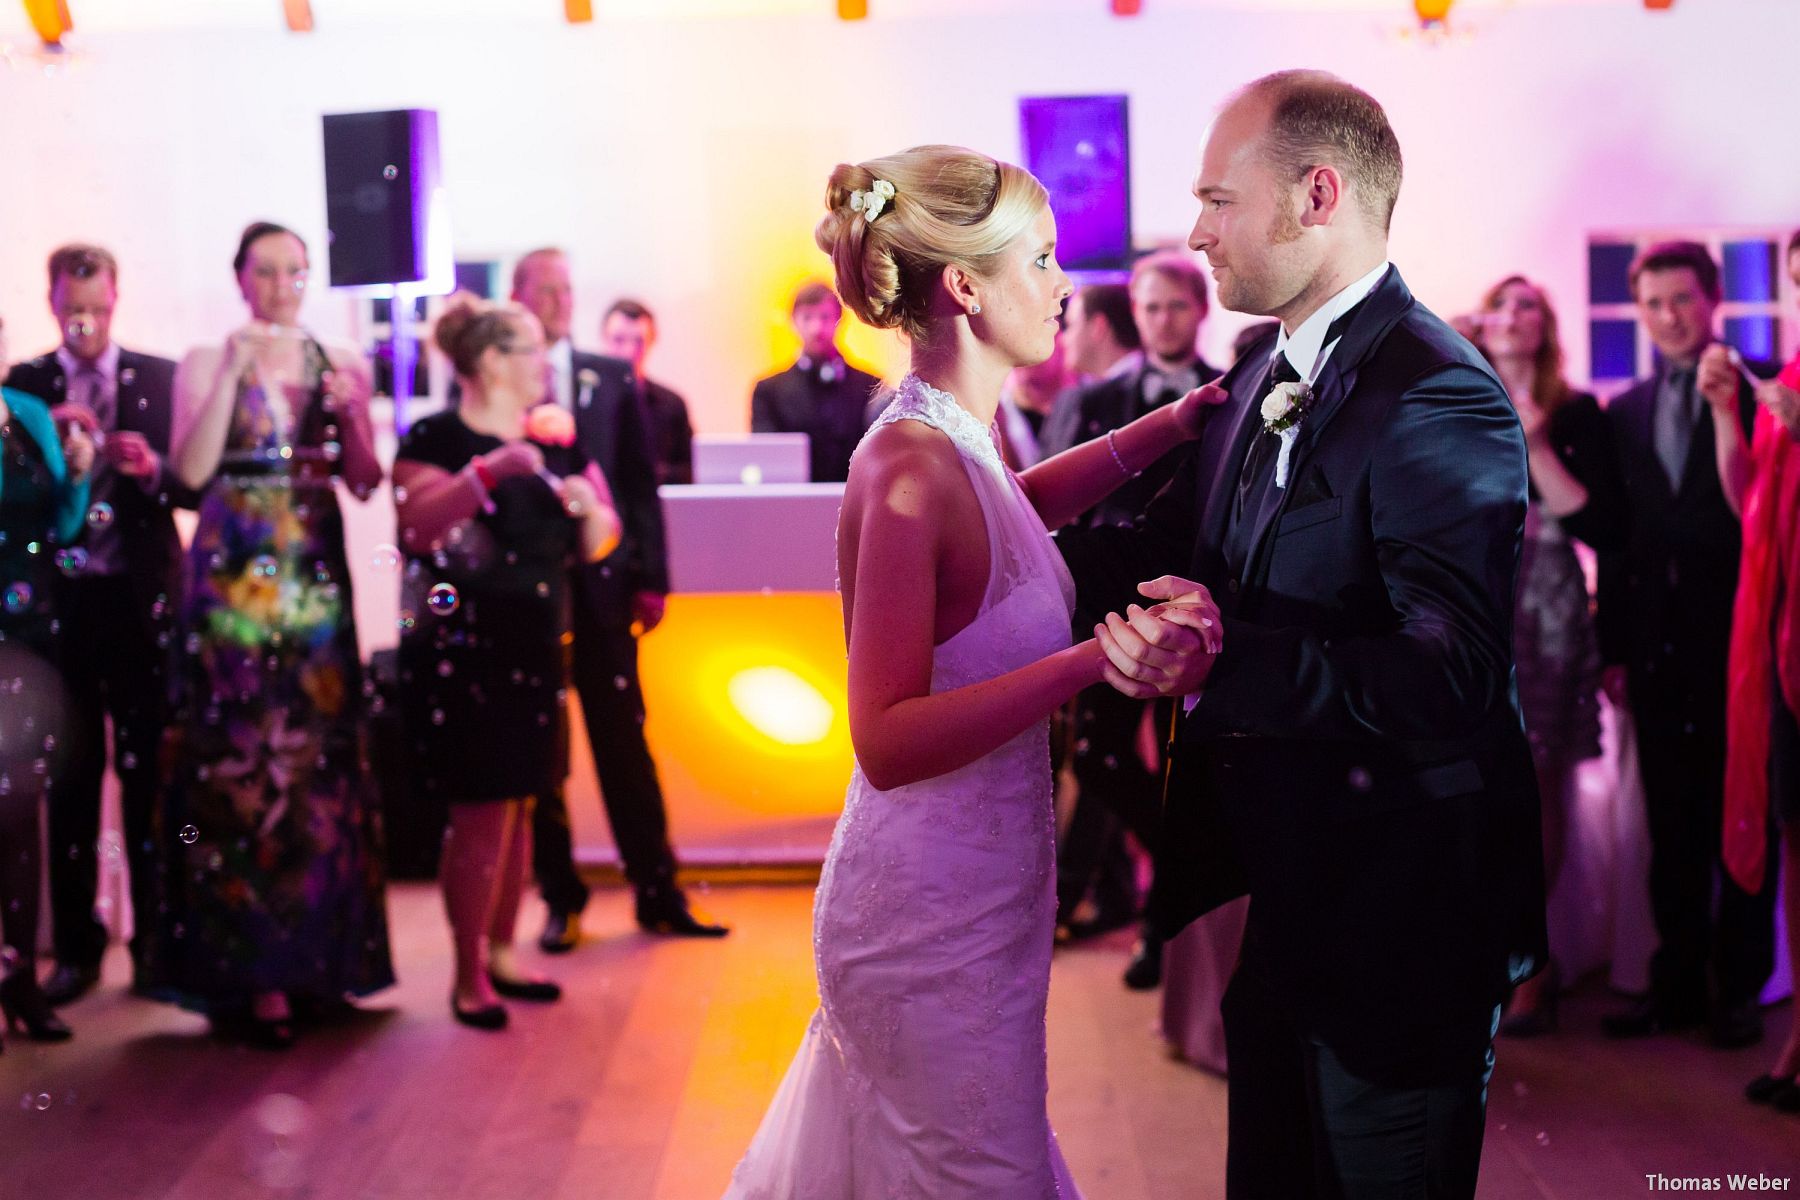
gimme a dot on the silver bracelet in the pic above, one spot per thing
(1123, 469)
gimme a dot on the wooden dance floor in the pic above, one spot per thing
(646, 1082)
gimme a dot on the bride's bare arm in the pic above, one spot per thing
(1064, 487)
(901, 533)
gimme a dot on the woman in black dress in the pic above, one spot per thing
(1573, 481)
(491, 521)
(43, 500)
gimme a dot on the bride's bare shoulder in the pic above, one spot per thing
(900, 458)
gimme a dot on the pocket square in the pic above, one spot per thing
(1313, 488)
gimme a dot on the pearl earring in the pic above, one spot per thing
(974, 309)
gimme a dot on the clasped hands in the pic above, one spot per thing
(1167, 649)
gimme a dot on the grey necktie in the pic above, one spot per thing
(1676, 412)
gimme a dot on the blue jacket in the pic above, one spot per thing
(33, 415)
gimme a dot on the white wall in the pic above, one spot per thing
(683, 159)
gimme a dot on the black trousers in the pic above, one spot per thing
(1682, 762)
(612, 705)
(1302, 1127)
(1116, 794)
(112, 666)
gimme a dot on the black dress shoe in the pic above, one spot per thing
(1647, 1018)
(68, 983)
(1764, 1088)
(24, 1006)
(666, 914)
(1736, 1026)
(540, 990)
(562, 932)
(1144, 972)
(1787, 1098)
(269, 1033)
(488, 1016)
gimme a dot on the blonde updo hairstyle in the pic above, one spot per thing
(469, 326)
(950, 206)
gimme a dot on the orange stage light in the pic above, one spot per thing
(579, 12)
(747, 699)
(50, 20)
(1127, 8)
(299, 15)
(1659, 5)
(1432, 10)
(852, 10)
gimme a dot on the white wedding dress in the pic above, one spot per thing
(922, 1074)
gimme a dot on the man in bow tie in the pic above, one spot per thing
(821, 395)
(1118, 790)
(116, 606)
(1666, 593)
(1352, 758)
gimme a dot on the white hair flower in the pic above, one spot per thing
(871, 202)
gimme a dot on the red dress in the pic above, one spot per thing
(1765, 640)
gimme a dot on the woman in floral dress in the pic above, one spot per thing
(273, 883)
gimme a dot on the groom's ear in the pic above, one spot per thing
(1324, 195)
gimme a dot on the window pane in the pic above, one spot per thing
(1755, 337)
(1612, 348)
(1750, 271)
(1609, 265)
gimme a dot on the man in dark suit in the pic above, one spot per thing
(1117, 789)
(1353, 756)
(628, 331)
(1665, 609)
(629, 586)
(116, 600)
(821, 395)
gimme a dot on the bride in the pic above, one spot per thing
(923, 1071)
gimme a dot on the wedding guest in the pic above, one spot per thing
(117, 609)
(628, 331)
(821, 395)
(1762, 763)
(1665, 601)
(499, 504)
(274, 884)
(1574, 490)
(1117, 786)
(615, 601)
(1099, 339)
(1025, 402)
(43, 500)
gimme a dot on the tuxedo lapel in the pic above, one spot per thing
(1223, 448)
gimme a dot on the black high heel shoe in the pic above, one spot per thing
(488, 1016)
(24, 1006)
(542, 991)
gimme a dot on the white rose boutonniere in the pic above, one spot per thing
(1283, 407)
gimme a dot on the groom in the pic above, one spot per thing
(1353, 757)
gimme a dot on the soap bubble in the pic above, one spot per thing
(189, 834)
(100, 516)
(72, 561)
(443, 599)
(385, 558)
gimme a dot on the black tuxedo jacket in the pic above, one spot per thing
(834, 415)
(151, 548)
(1668, 584)
(671, 433)
(613, 429)
(1357, 762)
(1112, 404)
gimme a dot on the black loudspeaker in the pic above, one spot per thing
(381, 185)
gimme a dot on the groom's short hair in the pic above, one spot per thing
(1315, 119)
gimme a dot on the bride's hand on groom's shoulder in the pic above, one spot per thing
(1192, 409)
(1165, 650)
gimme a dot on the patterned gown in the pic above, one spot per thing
(269, 832)
(923, 1072)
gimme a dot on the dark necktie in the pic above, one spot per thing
(1264, 443)
(89, 388)
(1676, 414)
